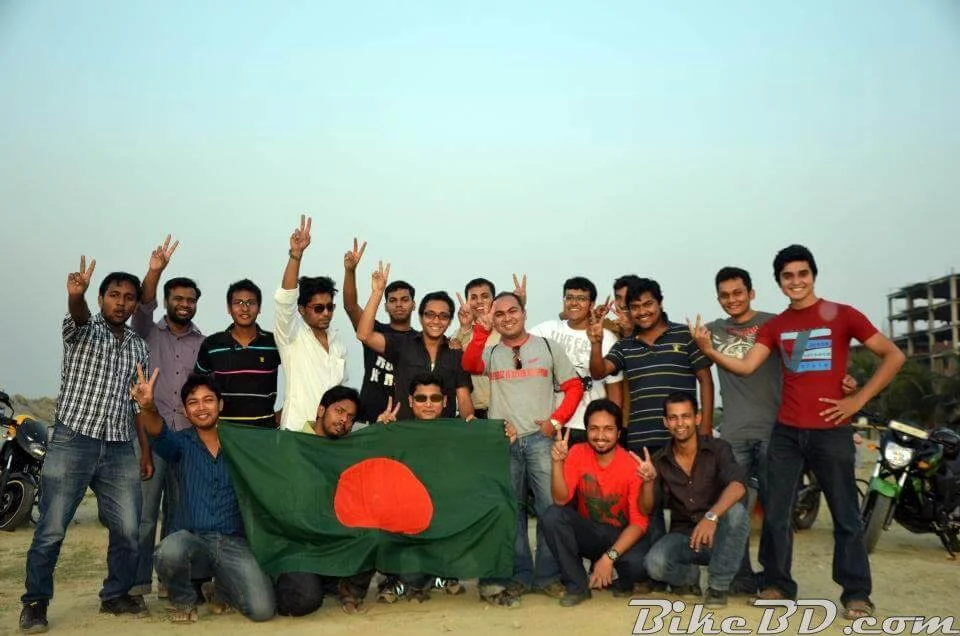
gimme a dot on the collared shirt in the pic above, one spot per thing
(480, 396)
(246, 375)
(96, 374)
(208, 502)
(174, 354)
(690, 496)
(653, 372)
(308, 369)
(410, 357)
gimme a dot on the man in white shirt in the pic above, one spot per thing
(314, 357)
(579, 297)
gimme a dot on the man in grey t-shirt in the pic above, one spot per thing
(749, 403)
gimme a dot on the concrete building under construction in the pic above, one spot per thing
(924, 321)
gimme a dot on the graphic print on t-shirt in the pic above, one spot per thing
(599, 506)
(811, 350)
(382, 372)
(738, 342)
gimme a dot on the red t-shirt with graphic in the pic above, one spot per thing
(813, 343)
(608, 494)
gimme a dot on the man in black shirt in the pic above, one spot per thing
(702, 484)
(378, 372)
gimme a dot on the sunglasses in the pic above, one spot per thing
(319, 307)
(517, 362)
(433, 397)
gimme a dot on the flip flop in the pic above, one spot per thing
(184, 616)
(857, 608)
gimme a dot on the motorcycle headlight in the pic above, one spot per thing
(37, 449)
(897, 456)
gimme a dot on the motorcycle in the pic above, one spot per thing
(24, 445)
(915, 482)
(808, 501)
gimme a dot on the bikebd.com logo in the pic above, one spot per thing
(658, 616)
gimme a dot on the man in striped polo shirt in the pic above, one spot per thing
(244, 360)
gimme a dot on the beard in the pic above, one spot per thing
(177, 320)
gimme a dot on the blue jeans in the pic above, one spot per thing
(159, 493)
(752, 455)
(672, 561)
(184, 556)
(530, 465)
(831, 455)
(73, 463)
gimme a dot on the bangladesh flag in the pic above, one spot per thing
(432, 497)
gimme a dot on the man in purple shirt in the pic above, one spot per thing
(174, 341)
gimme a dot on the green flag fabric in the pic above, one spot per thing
(432, 497)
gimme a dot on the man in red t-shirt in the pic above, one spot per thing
(813, 338)
(607, 526)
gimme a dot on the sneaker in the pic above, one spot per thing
(217, 606)
(450, 586)
(506, 598)
(687, 591)
(33, 618)
(645, 588)
(139, 600)
(569, 600)
(125, 604)
(619, 592)
(553, 590)
(518, 589)
(715, 599)
(391, 590)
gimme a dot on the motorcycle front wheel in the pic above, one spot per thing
(808, 503)
(872, 515)
(16, 503)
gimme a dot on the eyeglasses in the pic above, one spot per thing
(576, 298)
(319, 307)
(238, 302)
(517, 362)
(423, 397)
(432, 315)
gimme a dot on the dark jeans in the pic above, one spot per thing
(160, 495)
(673, 561)
(752, 455)
(573, 538)
(73, 463)
(831, 455)
(184, 556)
(301, 593)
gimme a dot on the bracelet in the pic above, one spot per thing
(292, 255)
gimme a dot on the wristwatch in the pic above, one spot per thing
(710, 515)
(613, 555)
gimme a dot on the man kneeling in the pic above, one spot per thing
(211, 541)
(702, 484)
(607, 526)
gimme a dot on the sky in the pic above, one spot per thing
(468, 139)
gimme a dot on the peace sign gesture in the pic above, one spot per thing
(645, 468)
(142, 391)
(378, 281)
(464, 314)
(390, 414)
(160, 257)
(700, 334)
(78, 282)
(561, 447)
(300, 239)
(520, 288)
(485, 317)
(352, 258)
(600, 311)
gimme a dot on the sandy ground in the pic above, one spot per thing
(911, 576)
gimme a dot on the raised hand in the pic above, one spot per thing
(300, 239)
(700, 334)
(645, 468)
(485, 318)
(142, 391)
(78, 282)
(520, 288)
(379, 278)
(352, 258)
(561, 447)
(623, 320)
(595, 329)
(389, 415)
(600, 311)
(160, 257)
(464, 314)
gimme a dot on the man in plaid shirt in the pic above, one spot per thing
(92, 444)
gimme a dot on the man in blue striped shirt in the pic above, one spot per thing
(211, 540)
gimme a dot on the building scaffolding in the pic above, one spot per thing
(924, 321)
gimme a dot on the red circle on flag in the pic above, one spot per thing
(382, 494)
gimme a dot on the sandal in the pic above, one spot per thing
(350, 605)
(857, 608)
(184, 615)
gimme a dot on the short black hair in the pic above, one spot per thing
(790, 254)
(625, 281)
(310, 286)
(118, 278)
(606, 406)
(338, 393)
(479, 282)
(733, 273)
(398, 285)
(195, 380)
(579, 282)
(246, 285)
(179, 282)
(680, 397)
(437, 295)
(641, 286)
(426, 379)
(509, 293)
